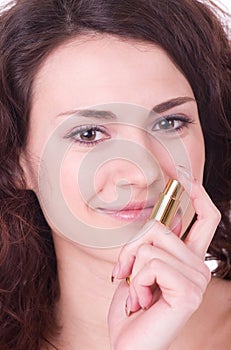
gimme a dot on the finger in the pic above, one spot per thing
(158, 236)
(132, 302)
(200, 276)
(147, 253)
(208, 218)
(177, 290)
(198, 239)
(127, 255)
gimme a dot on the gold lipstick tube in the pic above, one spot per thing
(167, 203)
(166, 206)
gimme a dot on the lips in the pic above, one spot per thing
(131, 212)
(141, 211)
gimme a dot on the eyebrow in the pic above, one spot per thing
(108, 115)
(174, 102)
(90, 113)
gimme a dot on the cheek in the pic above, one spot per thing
(78, 185)
(188, 152)
(196, 154)
(69, 171)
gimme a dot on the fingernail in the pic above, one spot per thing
(128, 280)
(184, 173)
(185, 177)
(128, 306)
(144, 308)
(115, 272)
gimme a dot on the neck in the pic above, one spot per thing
(86, 293)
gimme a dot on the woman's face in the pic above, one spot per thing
(109, 123)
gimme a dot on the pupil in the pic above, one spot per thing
(167, 124)
(88, 135)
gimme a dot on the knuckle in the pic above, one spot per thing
(126, 253)
(204, 270)
(216, 215)
(143, 251)
(125, 249)
(193, 296)
(136, 281)
(203, 281)
(154, 263)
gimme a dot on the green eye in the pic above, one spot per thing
(166, 124)
(173, 123)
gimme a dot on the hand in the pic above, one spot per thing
(169, 278)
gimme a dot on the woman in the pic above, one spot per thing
(77, 79)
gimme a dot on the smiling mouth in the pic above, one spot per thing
(142, 213)
(132, 212)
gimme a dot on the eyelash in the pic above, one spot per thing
(86, 128)
(185, 121)
(96, 128)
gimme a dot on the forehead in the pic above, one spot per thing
(102, 69)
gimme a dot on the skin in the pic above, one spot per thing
(83, 73)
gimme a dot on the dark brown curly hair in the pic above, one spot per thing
(192, 34)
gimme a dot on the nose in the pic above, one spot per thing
(140, 171)
(132, 162)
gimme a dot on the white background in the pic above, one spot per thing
(226, 3)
